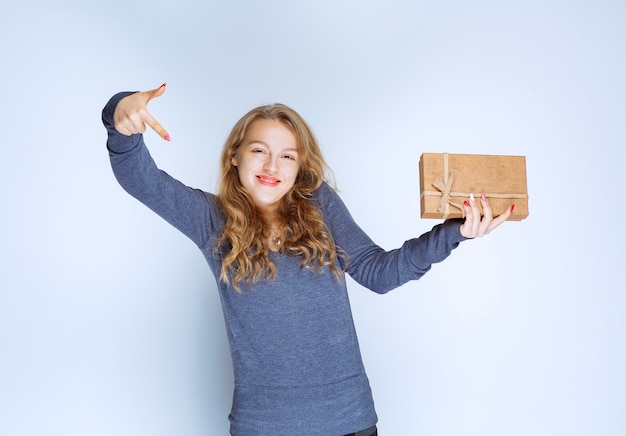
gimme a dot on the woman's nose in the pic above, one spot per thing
(270, 164)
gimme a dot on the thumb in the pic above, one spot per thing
(156, 92)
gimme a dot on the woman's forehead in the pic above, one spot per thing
(270, 133)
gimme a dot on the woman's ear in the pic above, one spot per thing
(233, 161)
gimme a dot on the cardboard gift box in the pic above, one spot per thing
(446, 180)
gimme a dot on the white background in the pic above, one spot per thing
(109, 319)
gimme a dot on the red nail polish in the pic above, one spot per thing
(483, 197)
(512, 208)
(466, 203)
(164, 84)
(166, 137)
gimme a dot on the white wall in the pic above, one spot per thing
(109, 319)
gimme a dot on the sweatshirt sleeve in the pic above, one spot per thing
(380, 270)
(189, 210)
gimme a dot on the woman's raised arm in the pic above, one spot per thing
(190, 210)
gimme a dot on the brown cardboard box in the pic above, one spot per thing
(446, 180)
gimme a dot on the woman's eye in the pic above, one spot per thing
(289, 157)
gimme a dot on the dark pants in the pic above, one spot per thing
(372, 431)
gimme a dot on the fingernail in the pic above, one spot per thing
(512, 208)
(472, 199)
(466, 203)
(483, 197)
(166, 137)
(164, 84)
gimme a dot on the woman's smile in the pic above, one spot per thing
(268, 181)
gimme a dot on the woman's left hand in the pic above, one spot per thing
(476, 226)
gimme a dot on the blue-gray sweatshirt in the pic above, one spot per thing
(296, 359)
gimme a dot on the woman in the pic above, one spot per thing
(279, 239)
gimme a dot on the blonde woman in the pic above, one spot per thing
(279, 240)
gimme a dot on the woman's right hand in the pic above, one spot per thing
(131, 114)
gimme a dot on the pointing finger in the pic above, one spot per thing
(157, 127)
(150, 120)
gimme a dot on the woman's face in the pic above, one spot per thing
(267, 162)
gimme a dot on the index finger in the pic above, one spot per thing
(157, 127)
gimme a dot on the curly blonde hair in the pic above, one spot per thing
(245, 237)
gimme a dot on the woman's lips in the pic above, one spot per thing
(268, 181)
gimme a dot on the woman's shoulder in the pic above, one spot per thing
(325, 191)
(324, 195)
(327, 198)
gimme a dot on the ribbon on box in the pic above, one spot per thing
(444, 187)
